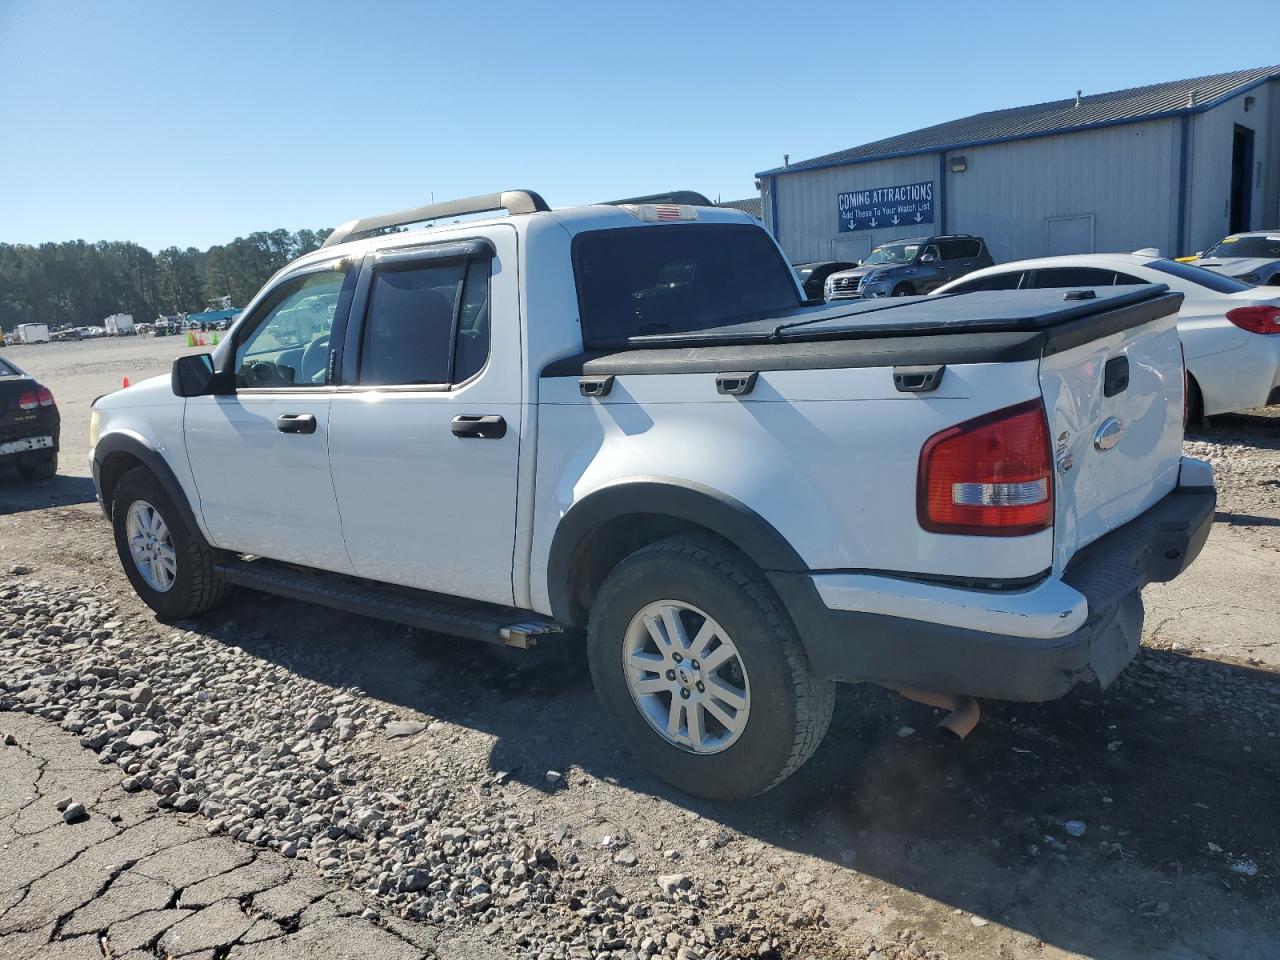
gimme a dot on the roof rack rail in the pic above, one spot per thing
(512, 201)
(688, 197)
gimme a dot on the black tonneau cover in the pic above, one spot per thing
(988, 311)
(997, 326)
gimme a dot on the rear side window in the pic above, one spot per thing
(1199, 275)
(677, 278)
(427, 323)
(1073, 277)
(998, 281)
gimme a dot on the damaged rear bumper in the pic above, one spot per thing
(857, 645)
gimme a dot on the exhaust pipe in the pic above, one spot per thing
(962, 711)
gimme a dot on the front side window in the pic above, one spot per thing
(289, 345)
(427, 323)
(642, 281)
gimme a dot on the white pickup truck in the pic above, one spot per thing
(624, 421)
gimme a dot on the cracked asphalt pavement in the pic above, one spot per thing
(129, 881)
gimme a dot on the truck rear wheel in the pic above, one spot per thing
(168, 562)
(700, 670)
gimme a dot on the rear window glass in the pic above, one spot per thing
(642, 281)
(1199, 275)
(6, 370)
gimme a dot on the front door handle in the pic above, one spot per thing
(486, 428)
(296, 423)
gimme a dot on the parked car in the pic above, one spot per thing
(907, 268)
(813, 276)
(492, 437)
(1230, 330)
(30, 425)
(1252, 258)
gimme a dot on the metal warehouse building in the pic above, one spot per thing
(1174, 165)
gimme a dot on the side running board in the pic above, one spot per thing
(471, 619)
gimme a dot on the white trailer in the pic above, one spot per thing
(119, 324)
(32, 332)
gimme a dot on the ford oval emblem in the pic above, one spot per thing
(1109, 433)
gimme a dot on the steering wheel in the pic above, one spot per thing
(315, 358)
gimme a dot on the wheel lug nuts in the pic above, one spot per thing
(701, 688)
(684, 694)
(677, 658)
(694, 664)
(671, 674)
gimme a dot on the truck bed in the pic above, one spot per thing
(1001, 326)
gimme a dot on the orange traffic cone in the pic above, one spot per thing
(124, 383)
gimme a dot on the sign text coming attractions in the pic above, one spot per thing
(909, 203)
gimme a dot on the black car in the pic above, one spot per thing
(29, 424)
(814, 275)
(909, 268)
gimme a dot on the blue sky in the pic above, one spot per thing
(190, 123)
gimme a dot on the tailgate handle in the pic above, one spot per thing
(918, 379)
(1115, 376)
(595, 386)
(736, 384)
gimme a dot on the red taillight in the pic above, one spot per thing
(1259, 319)
(43, 397)
(991, 477)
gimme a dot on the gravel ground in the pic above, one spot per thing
(461, 788)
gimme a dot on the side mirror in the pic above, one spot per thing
(192, 375)
(929, 258)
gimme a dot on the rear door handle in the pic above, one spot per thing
(485, 428)
(296, 423)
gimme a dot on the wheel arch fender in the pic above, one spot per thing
(683, 505)
(115, 454)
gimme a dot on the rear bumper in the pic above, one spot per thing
(948, 657)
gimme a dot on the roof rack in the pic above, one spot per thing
(512, 201)
(687, 197)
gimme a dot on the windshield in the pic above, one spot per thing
(1216, 282)
(1267, 248)
(674, 278)
(892, 253)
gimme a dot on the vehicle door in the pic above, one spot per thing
(932, 269)
(426, 429)
(260, 452)
(958, 257)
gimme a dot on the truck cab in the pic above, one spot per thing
(625, 422)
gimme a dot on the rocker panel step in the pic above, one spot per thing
(471, 619)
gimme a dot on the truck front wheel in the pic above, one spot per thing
(700, 670)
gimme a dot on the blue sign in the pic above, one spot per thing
(883, 207)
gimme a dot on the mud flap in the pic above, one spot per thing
(1116, 642)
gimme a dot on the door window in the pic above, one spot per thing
(1073, 277)
(998, 281)
(959, 249)
(288, 346)
(427, 323)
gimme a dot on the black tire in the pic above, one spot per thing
(38, 466)
(790, 705)
(196, 588)
(904, 290)
(1195, 405)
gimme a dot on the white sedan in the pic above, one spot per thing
(1230, 331)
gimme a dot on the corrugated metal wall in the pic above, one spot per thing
(1109, 189)
(1124, 178)
(1209, 187)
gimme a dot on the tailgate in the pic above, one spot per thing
(1115, 407)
